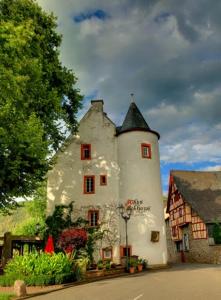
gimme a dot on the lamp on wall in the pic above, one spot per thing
(125, 213)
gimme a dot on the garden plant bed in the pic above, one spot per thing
(94, 274)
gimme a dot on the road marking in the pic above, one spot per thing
(138, 297)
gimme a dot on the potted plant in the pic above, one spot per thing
(100, 264)
(140, 264)
(145, 263)
(108, 264)
(132, 265)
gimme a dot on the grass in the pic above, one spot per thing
(6, 296)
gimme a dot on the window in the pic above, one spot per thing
(179, 246)
(186, 246)
(93, 217)
(174, 231)
(85, 151)
(107, 253)
(123, 251)
(180, 211)
(146, 150)
(103, 180)
(89, 184)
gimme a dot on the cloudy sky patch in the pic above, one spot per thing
(166, 52)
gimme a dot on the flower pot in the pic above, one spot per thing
(139, 267)
(132, 270)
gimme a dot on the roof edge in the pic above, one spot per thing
(140, 129)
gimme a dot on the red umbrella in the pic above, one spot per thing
(49, 248)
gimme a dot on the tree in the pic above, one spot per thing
(37, 100)
(34, 221)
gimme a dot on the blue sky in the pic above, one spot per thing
(166, 52)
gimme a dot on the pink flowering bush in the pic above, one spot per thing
(72, 239)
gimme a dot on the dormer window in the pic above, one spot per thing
(85, 151)
(146, 151)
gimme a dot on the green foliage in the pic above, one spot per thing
(23, 220)
(37, 96)
(28, 227)
(94, 235)
(145, 263)
(81, 264)
(35, 264)
(8, 280)
(6, 296)
(35, 209)
(132, 262)
(39, 269)
(59, 220)
(100, 264)
(217, 233)
(108, 264)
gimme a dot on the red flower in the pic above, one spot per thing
(73, 238)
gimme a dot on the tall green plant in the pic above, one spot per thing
(39, 264)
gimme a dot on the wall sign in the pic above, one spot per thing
(137, 205)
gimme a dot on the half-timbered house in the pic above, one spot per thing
(193, 207)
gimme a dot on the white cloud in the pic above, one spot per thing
(166, 52)
(213, 168)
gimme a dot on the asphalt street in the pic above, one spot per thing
(201, 282)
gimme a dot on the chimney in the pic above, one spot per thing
(97, 105)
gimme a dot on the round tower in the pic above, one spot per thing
(140, 187)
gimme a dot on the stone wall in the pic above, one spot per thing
(200, 250)
(173, 255)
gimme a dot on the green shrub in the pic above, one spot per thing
(39, 269)
(39, 264)
(132, 262)
(108, 264)
(8, 280)
(6, 296)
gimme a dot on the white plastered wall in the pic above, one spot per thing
(129, 176)
(140, 179)
(65, 181)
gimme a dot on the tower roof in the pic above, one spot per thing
(134, 121)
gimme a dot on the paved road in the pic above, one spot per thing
(193, 282)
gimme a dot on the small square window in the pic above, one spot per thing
(93, 217)
(85, 151)
(103, 180)
(89, 184)
(146, 150)
(107, 253)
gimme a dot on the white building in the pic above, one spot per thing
(104, 166)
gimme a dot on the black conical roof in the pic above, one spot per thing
(135, 121)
